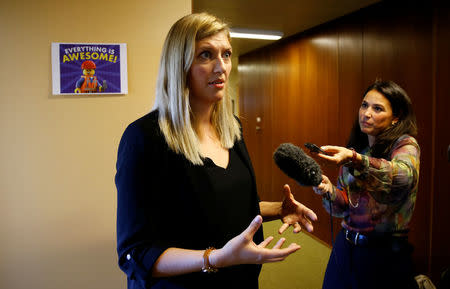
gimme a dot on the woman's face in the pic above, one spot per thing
(210, 69)
(375, 114)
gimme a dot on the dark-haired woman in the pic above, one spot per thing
(375, 193)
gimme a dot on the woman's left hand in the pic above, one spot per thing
(336, 154)
(294, 213)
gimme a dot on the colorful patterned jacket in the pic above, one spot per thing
(380, 195)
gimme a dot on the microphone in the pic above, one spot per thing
(297, 165)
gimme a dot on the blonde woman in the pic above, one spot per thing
(185, 181)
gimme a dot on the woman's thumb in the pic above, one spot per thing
(253, 227)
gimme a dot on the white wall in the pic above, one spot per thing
(57, 192)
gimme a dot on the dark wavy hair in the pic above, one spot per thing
(401, 108)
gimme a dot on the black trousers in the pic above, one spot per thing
(386, 264)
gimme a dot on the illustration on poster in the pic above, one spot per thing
(88, 83)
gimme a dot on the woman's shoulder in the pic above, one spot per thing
(148, 121)
(405, 140)
(145, 122)
(144, 128)
(239, 122)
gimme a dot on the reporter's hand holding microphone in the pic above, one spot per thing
(302, 168)
(324, 188)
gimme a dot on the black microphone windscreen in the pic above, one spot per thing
(297, 165)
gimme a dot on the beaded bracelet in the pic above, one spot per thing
(353, 155)
(352, 161)
(207, 267)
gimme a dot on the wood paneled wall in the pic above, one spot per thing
(308, 88)
(439, 255)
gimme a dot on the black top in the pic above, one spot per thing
(166, 201)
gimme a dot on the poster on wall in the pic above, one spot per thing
(89, 68)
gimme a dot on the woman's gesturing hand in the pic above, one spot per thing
(295, 214)
(242, 250)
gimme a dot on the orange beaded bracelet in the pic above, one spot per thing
(207, 267)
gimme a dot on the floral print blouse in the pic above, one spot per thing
(379, 195)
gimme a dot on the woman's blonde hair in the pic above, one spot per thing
(172, 89)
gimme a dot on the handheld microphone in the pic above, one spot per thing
(302, 168)
(297, 165)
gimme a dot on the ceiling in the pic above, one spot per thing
(288, 16)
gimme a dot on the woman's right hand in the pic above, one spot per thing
(242, 250)
(325, 187)
(336, 154)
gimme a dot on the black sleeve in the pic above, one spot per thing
(242, 148)
(137, 184)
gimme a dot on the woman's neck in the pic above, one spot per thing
(202, 122)
(204, 128)
(371, 139)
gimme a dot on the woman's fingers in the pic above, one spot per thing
(333, 154)
(318, 190)
(283, 228)
(279, 243)
(310, 214)
(297, 227)
(266, 242)
(287, 193)
(252, 228)
(330, 149)
(323, 186)
(327, 157)
(275, 255)
(307, 224)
